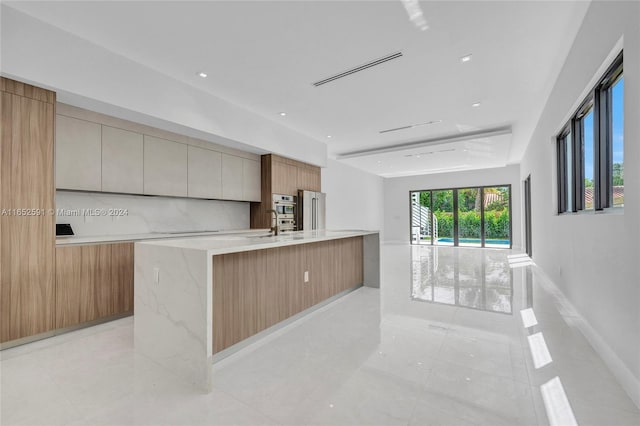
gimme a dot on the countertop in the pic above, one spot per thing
(97, 239)
(222, 244)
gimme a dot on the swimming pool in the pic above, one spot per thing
(474, 241)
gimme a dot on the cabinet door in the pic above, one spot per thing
(122, 267)
(232, 177)
(284, 178)
(122, 161)
(251, 183)
(205, 173)
(68, 285)
(27, 286)
(93, 282)
(78, 154)
(309, 178)
(165, 167)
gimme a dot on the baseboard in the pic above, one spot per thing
(618, 368)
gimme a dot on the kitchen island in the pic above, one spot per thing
(202, 298)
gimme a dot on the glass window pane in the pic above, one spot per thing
(443, 217)
(496, 217)
(469, 217)
(617, 128)
(588, 160)
(421, 217)
(569, 168)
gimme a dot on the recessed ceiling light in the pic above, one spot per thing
(475, 104)
(329, 136)
(466, 58)
(202, 74)
(282, 114)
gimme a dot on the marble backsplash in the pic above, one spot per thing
(92, 214)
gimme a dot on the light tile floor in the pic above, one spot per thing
(383, 357)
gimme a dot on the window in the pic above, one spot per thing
(590, 148)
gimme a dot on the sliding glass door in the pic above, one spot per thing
(464, 217)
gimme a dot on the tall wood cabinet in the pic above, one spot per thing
(27, 237)
(282, 175)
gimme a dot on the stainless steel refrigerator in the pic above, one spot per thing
(310, 210)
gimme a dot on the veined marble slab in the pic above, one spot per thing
(173, 296)
(97, 239)
(214, 245)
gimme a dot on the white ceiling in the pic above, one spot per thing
(265, 55)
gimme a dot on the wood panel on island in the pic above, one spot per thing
(254, 290)
(27, 225)
(282, 175)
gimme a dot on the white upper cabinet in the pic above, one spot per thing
(251, 183)
(122, 161)
(232, 177)
(165, 167)
(205, 173)
(78, 154)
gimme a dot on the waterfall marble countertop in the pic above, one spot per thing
(222, 244)
(99, 239)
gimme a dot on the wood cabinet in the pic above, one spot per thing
(257, 289)
(165, 167)
(27, 292)
(284, 178)
(251, 184)
(232, 176)
(78, 154)
(205, 173)
(308, 178)
(282, 175)
(93, 282)
(122, 161)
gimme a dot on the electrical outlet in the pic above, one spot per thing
(306, 276)
(156, 275)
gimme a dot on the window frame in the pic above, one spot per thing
(599, 100)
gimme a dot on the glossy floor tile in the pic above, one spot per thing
(454, 337)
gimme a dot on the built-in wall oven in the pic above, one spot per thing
(285, 205)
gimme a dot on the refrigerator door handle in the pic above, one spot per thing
(313, 213)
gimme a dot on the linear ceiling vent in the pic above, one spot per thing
(358, 69)
(411, 126)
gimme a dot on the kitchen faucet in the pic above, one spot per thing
(275, 229)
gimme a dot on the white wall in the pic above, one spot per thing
(594, 258)
(396, 196)
(92, 77)
(354, 197)
(148, 214)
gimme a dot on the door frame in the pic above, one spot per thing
(528, 246)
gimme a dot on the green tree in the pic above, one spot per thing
(618, 174)
(443, 200)
(425, 199)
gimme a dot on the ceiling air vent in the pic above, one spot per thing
(358, 69)
(411, 126)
